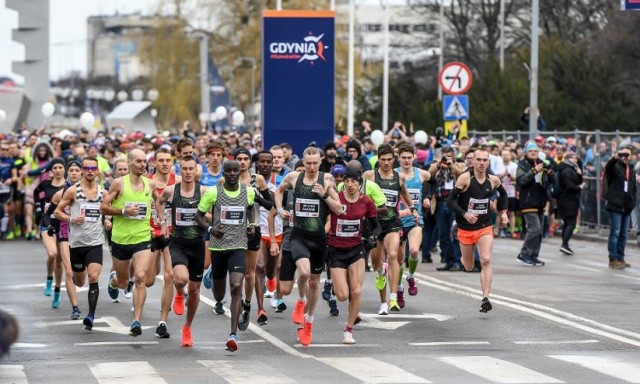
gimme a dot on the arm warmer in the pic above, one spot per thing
(503, 200)
(453, 202)
(375, 226)
(264, 200)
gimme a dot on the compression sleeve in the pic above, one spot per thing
(503, 200)
(264, 199)
(375, 226)
(453, 201)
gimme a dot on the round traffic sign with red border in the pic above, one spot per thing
(455, 78)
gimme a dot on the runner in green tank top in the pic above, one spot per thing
(185, 244)
(129, 202)
(393, 186)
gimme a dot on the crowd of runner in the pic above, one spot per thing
(221, 210)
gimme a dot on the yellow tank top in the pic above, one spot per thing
(133, 230)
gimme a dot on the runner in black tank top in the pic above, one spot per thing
(470, 201)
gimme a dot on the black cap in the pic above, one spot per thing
(329, 145)
(352, 173)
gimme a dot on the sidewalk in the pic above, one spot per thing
(632, 238)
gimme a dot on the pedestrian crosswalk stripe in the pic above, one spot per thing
(605, 365)
(239, 372)
(139, 372)
(498, 371)
(372, 371)
(13, 374)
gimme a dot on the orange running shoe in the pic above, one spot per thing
(187, 341)
(298, 312)
(178, 304)
(307, 333)
(272, 284)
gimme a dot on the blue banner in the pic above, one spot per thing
(629, 5)
(298, 78)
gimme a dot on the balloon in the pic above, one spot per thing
(237, 118)
(3, 115)
(377, 137)
(48, 109)
(64, 133)
(221, 112)
(154, 112)
(153, 94)
(420, 137)
(87, 120)
(123, 96)
(137, 94)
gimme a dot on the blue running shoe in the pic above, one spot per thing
(55, 303)
(75, 314)
(206, 279)
(114, 292)
(136, 329)
(88, 322)
(48, 287)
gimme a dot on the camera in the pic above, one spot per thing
(546, 164)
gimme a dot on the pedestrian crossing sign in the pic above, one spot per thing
(455, 107)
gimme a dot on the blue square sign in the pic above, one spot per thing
(455, 107)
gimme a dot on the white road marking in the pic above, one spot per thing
(335, 345)
(28, 345)
(100, 343)
(439, 343)
(372, 371)
(434, 316)
(13, 374)
(552, 342)
(139, 372)
(239, 372)
(605, 365)
(498, 371)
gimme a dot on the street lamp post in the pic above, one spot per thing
(385, 70)
(501, 35)
(533, 91)
(351, 84)
(441, 57)
(254, 66)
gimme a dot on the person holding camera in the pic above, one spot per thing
(570, 181)
(532, 179)
(619, 190)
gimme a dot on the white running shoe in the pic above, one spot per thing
(347, 338)
(268, 294)
(274, 302)
(384, 309)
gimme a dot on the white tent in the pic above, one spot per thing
(134, 116)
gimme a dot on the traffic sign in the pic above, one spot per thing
(455, 78)
(455, 107)
(629, 5)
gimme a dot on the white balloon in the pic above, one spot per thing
(122, 96)
(64, 133)
(137, 94)
(48, 109)
(3, 115)
(202, 116)
(87, 120)
(153, 94)
(154, 112)
(221, 112)
(237, 118)
(421, 137)
(377, 137)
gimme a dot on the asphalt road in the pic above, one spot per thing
(573, 320)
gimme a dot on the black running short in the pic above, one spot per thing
(126, 252)
(388, 226)
(81, 257)
(513, 204)
(232, 260)
(159, 243)
(253, 241)
(314, 250)
(190, 254)
(287, 267)
(405, 232)
(343, 258)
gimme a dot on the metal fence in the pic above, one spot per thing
(602, 144)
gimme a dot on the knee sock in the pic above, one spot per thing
(94, 292)
(413, 265)
(400, 276)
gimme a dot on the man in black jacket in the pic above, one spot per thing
(532, 179)
(620, 198)
(331, 157)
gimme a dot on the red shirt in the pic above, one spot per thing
(346, 228)
(155, 227)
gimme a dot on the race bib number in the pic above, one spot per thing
(392, 197)
(348, 228)
(232, 215)
(478, 206)
(448, 185)
(186, 216)
(91, 212)
(307, 208)
(4, 189)
(415, 195)
(142, 211)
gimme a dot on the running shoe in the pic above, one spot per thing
(268, 294)
(206, 279)
(274, 302)
(333, 308)
(566, 250)
(161, 331)
(401, 299)
(31, 235)
(262, 317)
(10, 235)
(393, 305)
(347, 338)
(232, 343)
(88, 322)
(136, 329)
(75, 314)
(17, 231)
(525, 259)
(128, 292)
(218, 309)
(306, 335)
(384, 309)
(413, 288)
(381, 278)
(187, 341)
(537, 261)
(272, 284)
(55, 303)
(178, 304)
(48, 287)
(485, 305)
(243, 323)
(114, 292)
(298, 312)
(281, 306)
(326, 291)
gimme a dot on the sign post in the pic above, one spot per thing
(298, 77)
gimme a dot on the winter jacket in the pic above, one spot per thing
(532, 188)
(616, 198)
(569, 200)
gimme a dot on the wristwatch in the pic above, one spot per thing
(325, 196)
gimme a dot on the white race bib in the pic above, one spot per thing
(392, 197)
(448, 185)
(90, 211)
(142, 212)
(478, 206)
(307, 207)
(415, 195)
(347, 228)
(232, 215)
(185, 217)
